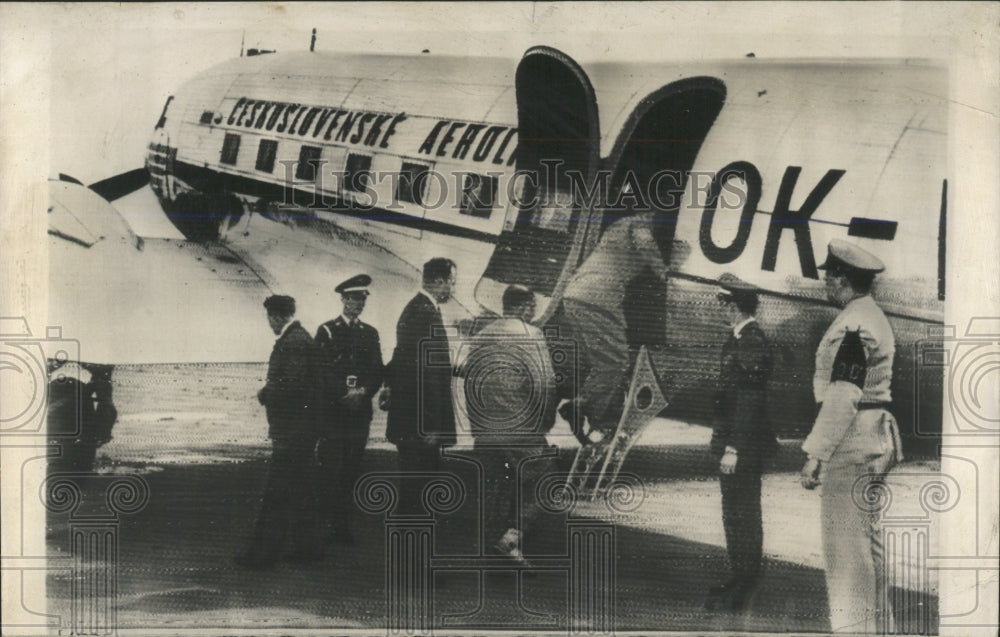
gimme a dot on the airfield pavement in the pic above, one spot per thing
(197, 436)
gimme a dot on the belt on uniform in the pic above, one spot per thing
(882, 405)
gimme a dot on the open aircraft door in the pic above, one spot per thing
(558, 136)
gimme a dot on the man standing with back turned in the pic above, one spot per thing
(742, 439)
(351, 371)
(421, 415)
(510, 396)
(594, 302)
(854, 441)
(288, 398)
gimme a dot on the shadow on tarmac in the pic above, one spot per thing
(175, 565)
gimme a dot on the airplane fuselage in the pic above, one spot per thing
(515, 170)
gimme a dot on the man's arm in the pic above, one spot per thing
(402, 369)
(375, 365)
(645, 246)
(840, 402)
(753, 364)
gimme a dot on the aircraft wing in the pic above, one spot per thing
(134, 300)
(126, 299)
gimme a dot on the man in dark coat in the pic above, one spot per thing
(421, 416)
(742, 439)
(351, 372)
(288, 398)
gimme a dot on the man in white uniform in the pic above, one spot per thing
(854, 441)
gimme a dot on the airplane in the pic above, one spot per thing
(277, 165)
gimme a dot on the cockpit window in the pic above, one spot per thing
(230, 149)
(163, 116)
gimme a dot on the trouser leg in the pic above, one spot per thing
(601, 332)
(328, 454)
(351, 457)
(497, 495)
(276, 504)
(534, 465)
(852, 547)
(305, 522)
(741, 518)
(415, 458)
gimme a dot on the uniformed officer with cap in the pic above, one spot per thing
(742, 439)
(351, 372)
(854, 441)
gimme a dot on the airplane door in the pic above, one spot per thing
(558, 137)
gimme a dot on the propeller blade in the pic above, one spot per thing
(118, 186)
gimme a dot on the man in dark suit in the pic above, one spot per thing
(351, 372)
(288, 398)
(421, 417)
(742, 439)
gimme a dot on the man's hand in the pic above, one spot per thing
(354, 397)
(727, 466)
(809, 476)
(385, 399)
(465, 326)
(433, 439)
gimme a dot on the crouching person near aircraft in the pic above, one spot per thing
(81, 413)
(854, 441)
(287, 507)
(742, 440)
(594, 303)
(510, 396)
(350, 364)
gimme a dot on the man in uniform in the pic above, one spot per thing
(854, 441)
(288, 397)
(418, 397)
(742, 439)
(351, 372)
(510, 396)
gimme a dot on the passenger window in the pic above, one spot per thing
(479, 195)
(309, 163)
(266, 152)
(357, 172)
(412, 183)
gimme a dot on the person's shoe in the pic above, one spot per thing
(736, 598)
(509, 547)
(253, 562)
(715, 591)
(569, 411)
(719, 595)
